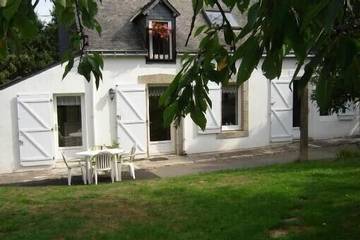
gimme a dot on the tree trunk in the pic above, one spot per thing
(304, 130)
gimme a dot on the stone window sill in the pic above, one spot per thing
(232, 134)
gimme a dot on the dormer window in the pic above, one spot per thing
(160, 41)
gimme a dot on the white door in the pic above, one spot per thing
(161, 138)
(35, 121)
(131, 117)
(281, 110)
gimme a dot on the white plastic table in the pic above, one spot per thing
(91, 153)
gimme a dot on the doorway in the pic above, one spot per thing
(161, 138)
(296, 110)
(70, 123)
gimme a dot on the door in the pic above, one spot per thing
(161, 138)
(281, 110)
(70, 123)
(36, 137)
(131, 117)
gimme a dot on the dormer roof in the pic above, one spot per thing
(150, 5)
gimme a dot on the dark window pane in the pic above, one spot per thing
(69, 121)
(157, 130)
(296, 105)
(229, 106)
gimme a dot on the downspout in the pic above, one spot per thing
(93, 113)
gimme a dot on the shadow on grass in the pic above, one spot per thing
(141, 174)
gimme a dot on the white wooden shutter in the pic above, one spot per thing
(281, 110)
(131, 117)
(213, 115)
(35, 123)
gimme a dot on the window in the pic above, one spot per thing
(230, 108)
(69, 121)
(160, 41)
(215, 18)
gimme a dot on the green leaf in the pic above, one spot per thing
(199, 118)
(313, 11)
(68, 67)
(199, 30)
(251, 53)
(272, 65)
(11, 9)
(197, 5)
(170, 113)
(61, 3)
(228, 34)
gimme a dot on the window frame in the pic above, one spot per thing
(83, 121)
(149, 86)
(205, 12)
(239, 126)
(150, 42)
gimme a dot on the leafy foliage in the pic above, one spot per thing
(35, 55)
(329, 30)
(19, 25)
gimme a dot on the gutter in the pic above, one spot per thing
(108, 52)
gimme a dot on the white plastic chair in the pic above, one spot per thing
(127, 160)
(103, 163)
(72, 164)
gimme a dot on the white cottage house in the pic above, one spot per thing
(43, 114)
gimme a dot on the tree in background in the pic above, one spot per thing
(33, 56)
(19, 25)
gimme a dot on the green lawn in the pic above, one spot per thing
(314, 200)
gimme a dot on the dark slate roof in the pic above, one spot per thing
(121, 35)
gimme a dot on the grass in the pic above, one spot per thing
(313, 200)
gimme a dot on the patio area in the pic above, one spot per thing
(172, 165)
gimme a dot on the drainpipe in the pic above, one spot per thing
(92, 128)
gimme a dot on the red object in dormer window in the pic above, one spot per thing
(161, 28)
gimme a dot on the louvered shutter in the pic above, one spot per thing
(213, 115)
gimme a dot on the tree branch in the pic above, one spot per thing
(192, 24)
(225, 19)
(83, 36)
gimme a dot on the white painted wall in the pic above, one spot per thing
(120, 70)
(259, 125)
(100, 116)
(48, 81)
(323, 127)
